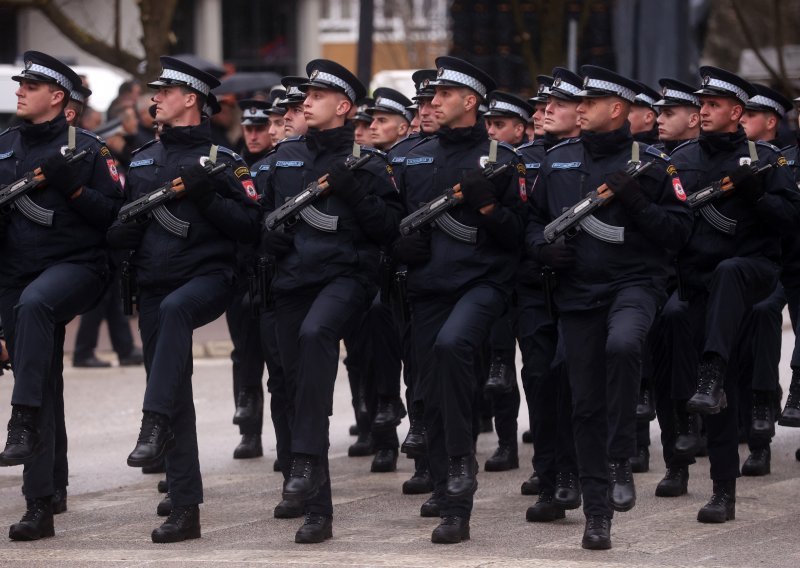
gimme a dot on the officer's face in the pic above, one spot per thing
(508, 130)
(414, 126)
(596, 113)
(325, 108)
(275, 129)
(256, 138)
(641, 118)
(454, 106)
(538, 119)
(719, 114)
(361, 133)
(561, 118)
(759, 125)
(294, 121)
(172, 104)
(427, 122)
(678, 123)
(386, 129)
(37, 101)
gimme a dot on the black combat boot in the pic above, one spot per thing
(430, 508)
(621, 490)
(568, 490)
(675, 482)
(415, 445)
(451, 530)
(791, 412)
(249, 447)
(757, 463)
(155, 439)
(36, 523)
(59, 501)
(159, 467)
(22, 443)
(545, 510)
(305, 478)
(641, 462)
(363, 446)
(162, 486)
(710, 395)
(687, 430)
(421, 482)
(389, 413)
(501, 377)
(462, 476)
(722, 505)
(164, 507)
(531, 485)
(762, 417)
(288, 510)
(527, 437)
(182, 524)
(249, 407)
(504, 458)
(385, 461)
(597, 534)
(645, 410)
(316, 528)
(276, 465)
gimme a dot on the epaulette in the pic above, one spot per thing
(9, 129)
(789, 148)
(423, 140)
(90, 134)
(373, 150)
(145, 145)
(230, 153)
(527, 144)
(409, 138)
(768, 145)
(655, 152)
(288, 139)
(692, 141)
(507, 146)
(566, 142)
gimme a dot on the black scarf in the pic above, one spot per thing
(717, 142)
(466, 134)
(331, 139)
(602, 144)
(197, 135)
(44, 131)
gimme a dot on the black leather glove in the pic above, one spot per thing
(125, 236)
(277, 243)
(478, 191)
(61, 175)
(343, 183)
(529, 273)
(746, 183)
(199, 186)
(627, 190)
(413, 249)
(558, 256)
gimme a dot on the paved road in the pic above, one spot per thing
(112, 507)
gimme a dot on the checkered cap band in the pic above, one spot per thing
(543, 90)
(255, 113)
(59, 78)
(519, 111)
(463, 79)
(191, 81)
(681, 96)
(77, 97)
(334, 80)
(621, 91)
(394, 105)
(767, 102)
(730, 87)
(568, 88)
(293, 92)
(650, 101)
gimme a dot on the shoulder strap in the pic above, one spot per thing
(635, 152)
(492, 152)
(212, 153)
(71, 139)
(753, 151)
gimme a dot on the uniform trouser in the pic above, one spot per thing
(281, 410)
(505, 406)
(385, 361)
(447, 334)
(604, 361)
(167, 319)
(357, 343)
(643, 426)
(793, 300)
(247, 358)
(310, 325)
(33, 318)
(119, 329)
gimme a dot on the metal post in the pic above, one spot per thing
(365, 29)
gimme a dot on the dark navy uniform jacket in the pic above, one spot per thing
(651, 239)
(79, 225)
(396, 155)
(436, 165)
(790, 275)
(758, 227)
(353, 250)
(165, 260)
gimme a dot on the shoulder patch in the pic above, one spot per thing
(145, 145)
(6, 155)
(565, 165)
(140, 163)
(105, 152)
(421, 160)
(782, 162)
(241, 171)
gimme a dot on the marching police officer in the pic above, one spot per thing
(184, 281)
(55, 267)
(643, 115)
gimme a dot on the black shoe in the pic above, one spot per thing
(568, 490)
(702, 446)
(675, 482)
(385, 461)
(501, 377)
(388, 415)
(363, 446)
(133, 359)
(451, 530)
(485, 426)
(710, 395)
(531, 485)
(155, 439)
(353, 430)
(59, 501)
(545, 510)
(757, 463)
(162, 486)
(687, 430)
(305, 478)
(249, 447)
(762, 417)
(91, 363)
(164, 507)
(429, 508)
(791, 412)
(316, 528)
(527, 437)
(621, 490)
(415, 445)
(641, 463)
(597, 534)
(249, 407)
(160, 467)
(276, 465)
(645, 410)
(288, 510)
(462, 476)
(504, 458)
(722, 505)
(420, 483)
(22, 443)
(182, 524)
(797, 454)
(36, 523)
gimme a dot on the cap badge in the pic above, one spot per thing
(28, 65)
(556, 81)
(706, 80)
(314, 74)
(493, 104)
(425, 83)
(378, 101)
(585, 81)
(440, 72)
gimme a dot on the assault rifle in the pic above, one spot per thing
(719, 188)
(570, 220)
